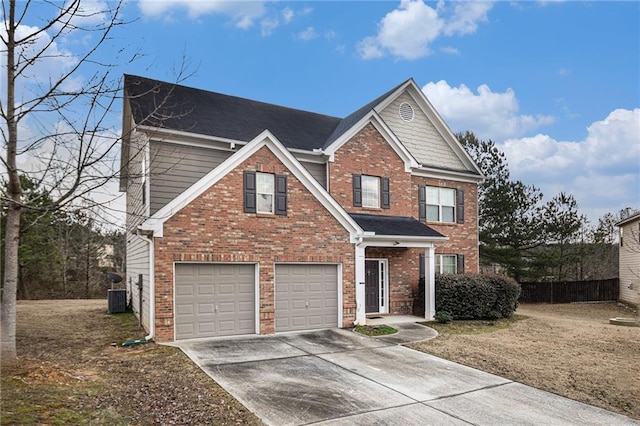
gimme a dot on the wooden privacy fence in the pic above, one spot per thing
(569, 291)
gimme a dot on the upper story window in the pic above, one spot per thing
(437, 204)
(265, 193)
(441, 204)
(371, 191)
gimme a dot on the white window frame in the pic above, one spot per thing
(262, 191)
(439, 203)
(367, 193)
(440, 264)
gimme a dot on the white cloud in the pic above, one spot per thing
(602, 171)
(243, 14)
(287, 15)
(408, 31)
(450, 50)
(466, 16)
(490, 115)
(308, 34)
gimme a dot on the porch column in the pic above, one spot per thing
(429, 283)
(361, 316)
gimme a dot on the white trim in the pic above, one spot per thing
(429, 284)
(383, 284)
(256, 272)
(155, 223)
(340, 296)
(425, 171)
(361, 315)
(152, 290)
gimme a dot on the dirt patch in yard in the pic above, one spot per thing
(72, 369)
(568, 349)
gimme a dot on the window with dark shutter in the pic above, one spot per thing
(422, 204)
(281, 195)
(357, 191)
(385, 198)
(249, 192)
(460, 264)
(460, 206)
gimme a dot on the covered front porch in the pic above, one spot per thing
(388, 266)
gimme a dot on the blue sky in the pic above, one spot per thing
(555, 84)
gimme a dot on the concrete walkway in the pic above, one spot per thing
(338, 377)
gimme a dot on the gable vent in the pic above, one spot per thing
(406, 112)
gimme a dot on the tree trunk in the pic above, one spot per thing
(14, 209)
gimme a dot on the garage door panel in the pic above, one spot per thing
(214, 300)
(306, 296)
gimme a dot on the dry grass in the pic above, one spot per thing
(570, 350)
(72, 369)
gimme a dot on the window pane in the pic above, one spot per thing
(438, 263)
(370, 191)
(264, 196)
(433, 214)
(432, 195)
(265, 203)
(264, 183)
(448, 214)
(447, 197)
(449, 264)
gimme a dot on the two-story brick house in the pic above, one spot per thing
(245, 217)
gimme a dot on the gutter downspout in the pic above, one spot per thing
(152, 289)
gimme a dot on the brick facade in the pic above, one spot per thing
(214, 228)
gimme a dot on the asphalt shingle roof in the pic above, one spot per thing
(393, 225)
(171, 106)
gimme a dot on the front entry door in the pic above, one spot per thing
(371, 286)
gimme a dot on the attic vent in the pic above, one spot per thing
(406, 112)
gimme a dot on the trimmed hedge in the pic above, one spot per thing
(469, 296)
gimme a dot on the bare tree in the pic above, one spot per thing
(57, 126)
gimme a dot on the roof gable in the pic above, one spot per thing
(265, 139)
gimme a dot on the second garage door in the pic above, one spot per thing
(214, 300)
(306, 297)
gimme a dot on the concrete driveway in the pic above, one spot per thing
(337, 377)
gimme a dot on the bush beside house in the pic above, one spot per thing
(471, 296)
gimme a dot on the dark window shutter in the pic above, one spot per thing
(281, 195)
(249, 192)
(422, 203)
(421, 265)
(460, 206)
(460, 264)
(384, 193)
(357, 191)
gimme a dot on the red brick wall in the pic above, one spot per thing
(214, 228)
(368, 153)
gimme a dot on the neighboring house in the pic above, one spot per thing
(245, 217)
(630, 259)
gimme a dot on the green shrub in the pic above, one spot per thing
(467, 296)
(443, 317)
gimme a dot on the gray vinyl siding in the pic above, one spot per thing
(138, 263)
(137, 248)
(630, 263)
(174, 168)
(318, 171)
(420, 136)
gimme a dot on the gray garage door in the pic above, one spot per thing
(214, 300)
(306, 297)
